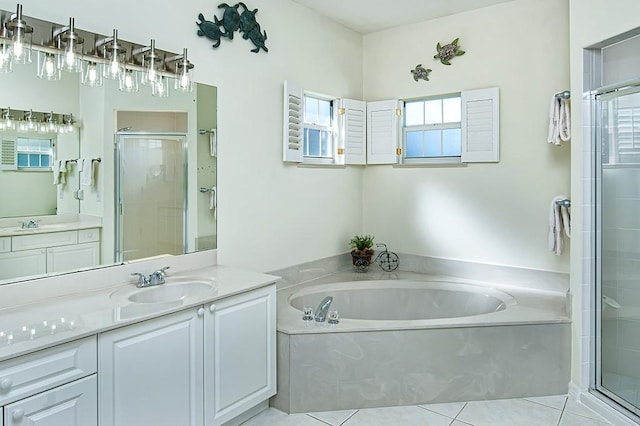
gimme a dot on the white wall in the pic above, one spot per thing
(492, 213)
(271, 215)
(591, 21)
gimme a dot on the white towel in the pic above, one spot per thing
(62, 172)
(85, 167)
(213, 143)
(213, 202)
(559, 220)
(559, 121)
(55, 168)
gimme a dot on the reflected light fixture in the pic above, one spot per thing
(20, 38)
(7, 120)
(6, 66)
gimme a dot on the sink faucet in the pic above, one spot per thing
(323, 308)
(155, 278)
(30, 224)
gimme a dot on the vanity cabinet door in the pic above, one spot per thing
(73, 404)
(76, 256)
(15, 264)
(240, 362)
(150, 373)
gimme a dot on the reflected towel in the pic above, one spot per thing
(559, 220)
(213, 202)
(213, 149)
(85, 167)
(559, 121)
(55, 167)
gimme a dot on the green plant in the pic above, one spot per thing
(361, 242)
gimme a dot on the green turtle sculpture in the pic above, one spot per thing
(210, 30)
(230, 19)
(447, 52)
(257, 38)
(420, 72)
(247, 20)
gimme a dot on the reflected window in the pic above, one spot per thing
(34, 154)
(318, 125)
(432, 128)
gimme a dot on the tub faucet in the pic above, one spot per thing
(323, 308)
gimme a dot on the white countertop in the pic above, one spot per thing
(54, 227)
(87, 313)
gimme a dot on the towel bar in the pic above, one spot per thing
(563, 95)
(563, 203)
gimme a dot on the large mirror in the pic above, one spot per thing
(134, 178)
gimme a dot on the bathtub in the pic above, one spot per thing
(417, 339)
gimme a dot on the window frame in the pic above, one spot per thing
(313, 160)
(50, 154)
(442, 159)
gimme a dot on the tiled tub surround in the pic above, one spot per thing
(520, 351)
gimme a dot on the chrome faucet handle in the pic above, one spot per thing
(142, 279)
(157, 277)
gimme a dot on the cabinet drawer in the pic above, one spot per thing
(88, 235)
(48, 239)
(5, 244)
(74, 404)
(40, 371)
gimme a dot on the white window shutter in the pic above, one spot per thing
(292, 150)
(480, 126)
(383, 127)
(8, 155)
(353, 131)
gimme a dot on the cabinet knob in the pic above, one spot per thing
(18, 414)
(200, 312)
(212, 307)
(6, 384)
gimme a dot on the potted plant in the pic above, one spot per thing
(361, 252)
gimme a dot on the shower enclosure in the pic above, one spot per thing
(151, 198)
(617, 212)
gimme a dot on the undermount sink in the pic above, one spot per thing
(164, 293)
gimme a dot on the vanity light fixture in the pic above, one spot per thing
(71, 58)
(65, 49)
(7, 120)
(20, 38)
(27, 124)
(48, 124)
(68, 124)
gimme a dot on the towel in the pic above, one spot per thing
(213, 202)
(559, 121)
(85, 167)
(212, 143)
(559, 221)
(55, 167)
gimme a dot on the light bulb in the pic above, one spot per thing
(49, 67)
(70, 58)
(92, 74)
(152, 75)
(18, 50)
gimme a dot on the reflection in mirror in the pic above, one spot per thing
(60, 205)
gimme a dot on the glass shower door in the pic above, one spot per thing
(151, 195)
(618, 248)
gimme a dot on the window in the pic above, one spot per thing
(34, 154)
(432, 129)
(318, 128)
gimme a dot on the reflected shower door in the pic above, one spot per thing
(618, 248)
(151, 192)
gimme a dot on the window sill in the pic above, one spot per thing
(321, 166)
(430, 165)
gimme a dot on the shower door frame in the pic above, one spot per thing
(597, 98)
(118, 187)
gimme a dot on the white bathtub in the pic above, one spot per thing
(403, 300)
(418, 339)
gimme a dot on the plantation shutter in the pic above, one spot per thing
(383, 127)
(352, 131)
(480, 126)
(8, 155)
(292, 150)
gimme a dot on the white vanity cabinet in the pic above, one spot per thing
(240, 354)
(40, 253)
(151, 372)
(55, 386)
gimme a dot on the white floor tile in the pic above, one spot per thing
(334, 418)
(569, 419)
(554, 401)
(575, 407)
(509, 412)
(451, 409)
(397, 416)
(273, 417)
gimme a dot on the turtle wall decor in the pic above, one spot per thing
(449, 51)
(420, 72)
(234, 19)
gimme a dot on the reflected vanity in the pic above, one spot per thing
(102, 216)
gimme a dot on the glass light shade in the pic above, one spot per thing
(8, 123)
(21, 47)
(22, 127)
(92, 74)
(161, 88)
(114, 68)
(72, 59)
(129, 81)
(6, 66)
(152, 73)
(184, 79)
(48, 66)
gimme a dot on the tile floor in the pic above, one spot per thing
(540, 411)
